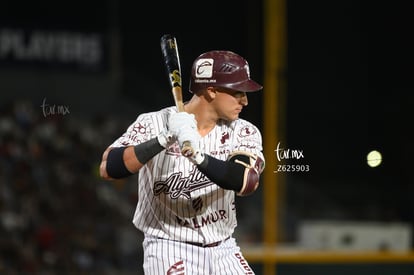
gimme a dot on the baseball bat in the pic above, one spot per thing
(171, 59)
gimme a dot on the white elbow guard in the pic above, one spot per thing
(254, 166)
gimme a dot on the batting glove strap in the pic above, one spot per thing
(165, 139)
(198, 157)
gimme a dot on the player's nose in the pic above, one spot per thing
(243, 100)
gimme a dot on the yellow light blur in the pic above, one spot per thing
(374, 158)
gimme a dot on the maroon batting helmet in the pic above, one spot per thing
(222, 69)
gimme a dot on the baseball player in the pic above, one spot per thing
(186, 204)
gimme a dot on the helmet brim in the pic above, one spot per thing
(245, 86)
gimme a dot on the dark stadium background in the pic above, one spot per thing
(349, 90)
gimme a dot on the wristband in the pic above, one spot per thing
(115, 166)
(147, 150)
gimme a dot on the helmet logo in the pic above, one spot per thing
(204, 67)
(227, 67)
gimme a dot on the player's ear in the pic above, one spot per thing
(211, 93)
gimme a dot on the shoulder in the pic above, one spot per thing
(151, 122)
(146, 126)
(245, 128)
(159, 115)
(246, 137)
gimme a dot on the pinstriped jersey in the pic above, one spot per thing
(175, 200)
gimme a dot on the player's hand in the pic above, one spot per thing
(175, 123)
(180, 120)
(190, 135)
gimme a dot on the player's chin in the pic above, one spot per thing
(233, 117)
(236, 114)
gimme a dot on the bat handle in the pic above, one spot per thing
(187, 150)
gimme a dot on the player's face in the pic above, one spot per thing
(230, 103)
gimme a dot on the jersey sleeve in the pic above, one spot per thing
(145, 127)
(248, 139)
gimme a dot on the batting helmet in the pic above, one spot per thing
(222, 69)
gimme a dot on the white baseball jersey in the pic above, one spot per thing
(175, 200)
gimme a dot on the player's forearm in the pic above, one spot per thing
(227, 175)
(122, 162)
(240, 173)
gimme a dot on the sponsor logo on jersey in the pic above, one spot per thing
(243, 263)
(204, 220)
(222, 151)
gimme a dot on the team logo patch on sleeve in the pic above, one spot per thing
(247, 131)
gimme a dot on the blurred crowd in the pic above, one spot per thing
(56, 215)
